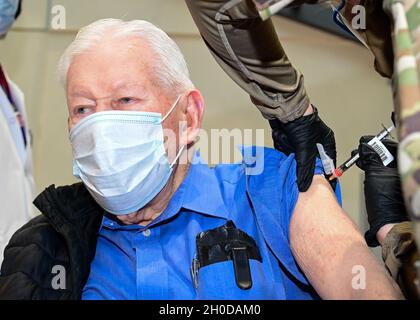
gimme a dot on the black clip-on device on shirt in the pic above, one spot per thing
(226, 243)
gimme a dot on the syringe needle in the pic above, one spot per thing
(338, 172)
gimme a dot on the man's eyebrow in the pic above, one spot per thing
(126, 85)
(84, 93)
(80, 93)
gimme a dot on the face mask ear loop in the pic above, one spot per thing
(177, 156)
(172, 109)
(163, 119)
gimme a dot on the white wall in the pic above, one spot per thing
(340, 79)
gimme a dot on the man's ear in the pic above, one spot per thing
(194, 115)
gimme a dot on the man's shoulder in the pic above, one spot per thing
(70, 202)
(61, 193)
(266, 175)
(64, 234)
(28, 260)
(38, 232)
(258, 162)
(65, 212)
(38, 235)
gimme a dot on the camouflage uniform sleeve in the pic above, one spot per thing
(399, 253)
(248, 50)
(377, 31)
(405, 16)
(378, 37)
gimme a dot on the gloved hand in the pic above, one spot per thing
(300, 137)
(382, 188)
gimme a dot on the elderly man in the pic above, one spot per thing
(145, 224)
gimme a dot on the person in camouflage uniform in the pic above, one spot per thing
(279, 91)
(406, 20)
(402, 65)
(392, 34)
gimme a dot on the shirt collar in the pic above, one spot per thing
(199, 192)
(202, 190)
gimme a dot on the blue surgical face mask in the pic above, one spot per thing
(8, 9)
(121, 158)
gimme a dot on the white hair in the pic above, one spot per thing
(170, 69)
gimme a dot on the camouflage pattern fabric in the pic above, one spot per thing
(406, 35)
(405, 73)
(405, 70)
(406, 20)
(402, 32)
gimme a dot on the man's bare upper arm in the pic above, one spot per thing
(329, 248)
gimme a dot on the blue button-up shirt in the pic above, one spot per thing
(154, 262)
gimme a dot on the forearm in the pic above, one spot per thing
(369, 279)
(332, 252)
(249, 51)
(355, 273)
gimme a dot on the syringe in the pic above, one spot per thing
(338, 172)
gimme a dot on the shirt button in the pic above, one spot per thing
(147, 232)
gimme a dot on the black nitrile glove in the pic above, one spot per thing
(300, 137)
(382, 187)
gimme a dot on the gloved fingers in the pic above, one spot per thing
(384, 203)
(275, 124)
(300, 137)
(281, 143)
(391, 145)
(305, 169)
(365, 139)
(370, 159)
(280, 139)
(305, 176)
(368, 156)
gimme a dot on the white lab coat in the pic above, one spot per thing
(16, 171)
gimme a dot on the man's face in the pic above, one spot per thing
(117, 75)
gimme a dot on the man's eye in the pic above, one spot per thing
(82, 110)
(126, 100)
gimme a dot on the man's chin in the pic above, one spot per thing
(134, 218)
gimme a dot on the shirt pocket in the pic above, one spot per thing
(217, 282)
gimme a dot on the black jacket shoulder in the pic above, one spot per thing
(63, 238)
